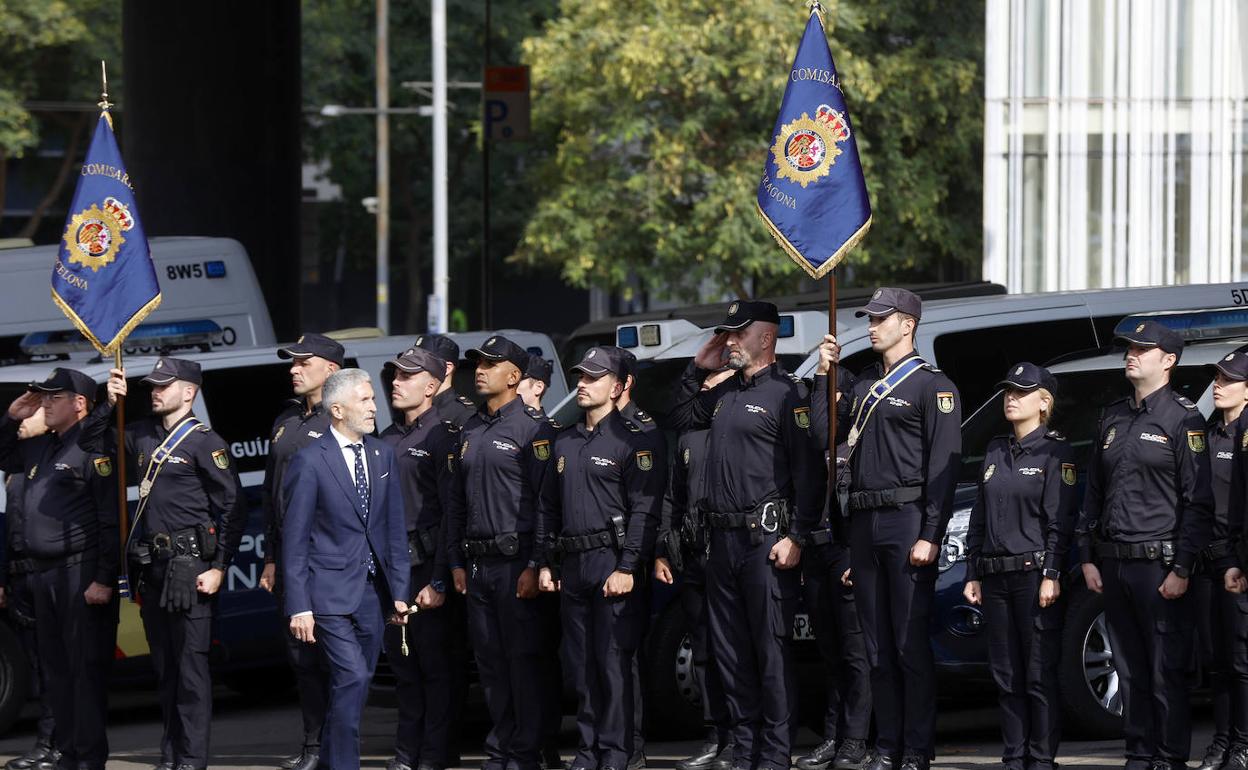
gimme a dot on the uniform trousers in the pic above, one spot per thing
(1023, 646)
(838, 635)
(423, 681)
(76, 644)
(750, 609)
(1152, 640)
(1222, 630)
(21, 606)
(600, 637)
(894, 601)
(506, 634)
(692, 598)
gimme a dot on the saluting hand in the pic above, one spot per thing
(25, 405)
(1234, 581)
(973, 593)
(711, 356)
(116, 385)
(1092, 576)
(829, 353)
(663, 571)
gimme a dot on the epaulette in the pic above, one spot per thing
(1056, 435)
(552, 422)
(931, 368)
(642, 416)
(795, 378)
(465, 401)
(451, 427)
(634, 427)
(1184, 401)
(536, 414)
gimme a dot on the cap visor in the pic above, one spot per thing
(877, 311)
(1132, 341)
(293, 352)
(476, 353)
(726, 327)
(153, 379)
(1018, 385)
(43, 387)
(1236, 376)
(591, 370)
(409, 368)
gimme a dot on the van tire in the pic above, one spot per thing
(1085, 653)
(15, 685)
(673, 694)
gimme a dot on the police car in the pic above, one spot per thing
(243, 391)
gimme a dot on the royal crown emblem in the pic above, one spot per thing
(806, 149)
(94, 236)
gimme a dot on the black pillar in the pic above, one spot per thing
(212, 120)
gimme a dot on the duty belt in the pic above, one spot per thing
(162, 546)
(766, 517)
(422, 545)
(506, 544)
(998, 565)
(21, 566)
(1218, 549)
(884, 498)
(1153, 550)
(603, 538)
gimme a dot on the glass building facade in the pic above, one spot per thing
(1114, 143)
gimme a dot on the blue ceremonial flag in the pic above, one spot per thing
(813, 197)
(104, 279)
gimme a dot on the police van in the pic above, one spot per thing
(209, 280)
(974, 339)
(243, 391)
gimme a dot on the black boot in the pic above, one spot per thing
(852, 754)
(723, 760)
(28, 760)
(1215, 758)
(818, 759)
(702, 759)
(1237, 759)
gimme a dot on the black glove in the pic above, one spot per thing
(179, 592)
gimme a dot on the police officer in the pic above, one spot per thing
(425, 447)
(830, 602)
(536, 382)
(504, 454)
(600, 525)
(1217, 590)
(763, 495)
(681, 547)
(1019, 532)
(312, 359)
(70, 534)
(182, 540)
(1147, 515)
(905, 447)
(448, 404)
(16, 597)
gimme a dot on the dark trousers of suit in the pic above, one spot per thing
(179, 644)
(76, 642)
(600, 637)
(1152, 640)
(838, 635)
(21, 606)
(423, 681)
(506, 637)
(692, 598)
(351, 644)
(1222, 631)
(311, 670)
(750, 609)
(894, 601)
(1024, 642)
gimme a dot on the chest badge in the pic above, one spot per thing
(1109, 437)
(944, 401)
(801, 416)
(541, 449)
(463, 449)
(280, 430)
(103, 466)
(1196, 441)
(559, 466)
(1068, 474)
(33, 470)
(991, 469)
(685, 456)
(645, 460)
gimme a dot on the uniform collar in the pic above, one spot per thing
(1216, 424)
(606, 425)
(1028, 442)
(511, 407)
(1151, 400)
(316, 410)
(767, 372)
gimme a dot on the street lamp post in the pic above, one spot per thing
(383, 168)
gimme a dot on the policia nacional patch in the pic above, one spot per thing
(944, 401)
(1196, 441)
(801, 416)
(103, 466)
(1068, 474)
(541, 449)
(221, 459)
(645, 460)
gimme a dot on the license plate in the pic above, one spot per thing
(802, 629)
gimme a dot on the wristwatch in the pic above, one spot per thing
(1180, 571)
(1051, 574)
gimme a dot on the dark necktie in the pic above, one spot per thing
(361, 488)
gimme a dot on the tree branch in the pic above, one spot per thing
(62, 175)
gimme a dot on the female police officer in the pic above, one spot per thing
(1019, 530)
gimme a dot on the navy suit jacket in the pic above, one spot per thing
(324, 541)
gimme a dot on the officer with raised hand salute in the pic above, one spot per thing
(312, 359)
(905, 446)
(185, 533)
(1147, 515)
(763, 495)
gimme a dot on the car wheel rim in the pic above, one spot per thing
(1098, 667)
(687, 683)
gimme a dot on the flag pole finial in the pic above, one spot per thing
(816, 8)
(104, 103)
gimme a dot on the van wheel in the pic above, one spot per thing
(14, 678)
(673, 692)
(1090, 687)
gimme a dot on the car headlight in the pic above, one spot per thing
(953, 548)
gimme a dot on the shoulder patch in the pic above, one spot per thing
(1056, 435)
(1184, 401)
(1068, 474)
(104, 466)
(944, 401)
(645, 460)
(801, 415)
(1196, 441)
(541, 449)
(221, 459)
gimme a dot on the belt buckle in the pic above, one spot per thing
(769, 519)
(162, 541)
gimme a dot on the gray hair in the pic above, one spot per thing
(339, 385)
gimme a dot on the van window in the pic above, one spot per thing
(977, 358)
(242, 403)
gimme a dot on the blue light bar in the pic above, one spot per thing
(787, 327)
(626, 337)
(1196, 325)
(214, 268)
(154, 335)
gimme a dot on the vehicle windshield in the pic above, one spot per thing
(1080, 399)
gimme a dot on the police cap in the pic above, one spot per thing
(604, 359)
(499, 348)
(1027, 376)
(538, 369)
(169, 369)
(440, 345)
(314, 345)
(415, 360)
(888, 300)
(62, 379)
(744, 312)
(1234, 365)
(1151, 334)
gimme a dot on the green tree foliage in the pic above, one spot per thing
(660, 114)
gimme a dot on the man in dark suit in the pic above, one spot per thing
(344, 561)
